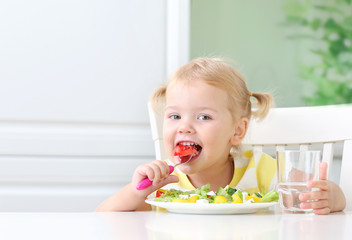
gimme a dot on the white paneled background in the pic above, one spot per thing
(75, 78)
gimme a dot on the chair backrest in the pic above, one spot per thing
(327, 128)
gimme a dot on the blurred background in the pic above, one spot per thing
(299, 50)
(76, 76)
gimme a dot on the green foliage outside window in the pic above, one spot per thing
(329, 25)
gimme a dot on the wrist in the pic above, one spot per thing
(141, 195)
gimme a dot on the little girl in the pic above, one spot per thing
(206, 104)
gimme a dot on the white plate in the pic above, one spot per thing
(212, 208)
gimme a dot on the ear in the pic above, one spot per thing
(240, 131)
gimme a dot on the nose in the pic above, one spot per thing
(184, 131)
(185, 127)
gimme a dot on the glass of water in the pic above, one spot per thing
(294, 170)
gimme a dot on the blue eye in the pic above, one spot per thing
(204, 117)
(174, 117)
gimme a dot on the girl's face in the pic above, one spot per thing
(197, 113)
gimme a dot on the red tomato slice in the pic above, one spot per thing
(159, 192)
(184, 150)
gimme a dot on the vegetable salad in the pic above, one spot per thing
(222, 195)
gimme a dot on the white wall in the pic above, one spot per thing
(75, 78)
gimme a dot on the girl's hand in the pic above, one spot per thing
(129, 198)
(329, 197)
(157, 171)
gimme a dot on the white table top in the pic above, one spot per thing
(163, 225)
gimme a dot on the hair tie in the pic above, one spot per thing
(251, 94)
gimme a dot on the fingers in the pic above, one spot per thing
(315, 205)
(315, 195)
(322, 184)
(320, 207)
(319, 199)
(323, 211)
(323, 170)
(155, 171)
(167, 180)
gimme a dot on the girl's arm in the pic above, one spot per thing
(126, 199)
(329, 198)
(131, 199)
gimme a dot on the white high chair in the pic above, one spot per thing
(325, 128)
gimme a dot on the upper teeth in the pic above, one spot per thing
(187, 143)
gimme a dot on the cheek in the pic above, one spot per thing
(219, 134)
(167, 130)
(168, 135)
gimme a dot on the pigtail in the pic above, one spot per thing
(263, 104)
(158, 99)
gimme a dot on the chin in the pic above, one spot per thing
(187, 169)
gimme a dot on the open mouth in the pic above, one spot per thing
(185, 150)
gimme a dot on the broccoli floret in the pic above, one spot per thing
(230, 191)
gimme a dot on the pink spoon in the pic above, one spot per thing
(146, 182)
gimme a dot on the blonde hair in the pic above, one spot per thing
(218, 73)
